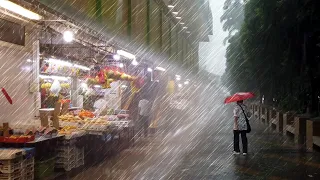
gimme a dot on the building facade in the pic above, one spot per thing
(151, 29)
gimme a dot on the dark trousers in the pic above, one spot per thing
(244, 140)
(143, 125)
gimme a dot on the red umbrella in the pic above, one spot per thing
(239, 97)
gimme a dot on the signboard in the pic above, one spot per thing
(12, 32)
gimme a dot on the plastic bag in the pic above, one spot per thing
(55, 87)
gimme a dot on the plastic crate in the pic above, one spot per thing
(69, 142)
(27, 162)
(10, 176)
(66, 160)
(10, 166)
(80, 162)
(6, 154)
(45, 168)
(66, 149)
(28, 153)
(28, 176)
(67, 166)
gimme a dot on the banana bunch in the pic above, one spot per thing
(46, 85)
(65, 85)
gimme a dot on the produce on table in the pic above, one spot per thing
(84, 113)
(69, 118)
(66, 130)
(46, 85)
(17, 139)
(65, 85)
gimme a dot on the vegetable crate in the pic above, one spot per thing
(10, 165)
(11, 176)
(69, 157)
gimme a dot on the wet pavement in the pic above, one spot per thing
(190, 145)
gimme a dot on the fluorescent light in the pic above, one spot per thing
(68, 36)
(170, 6)
(59, 62)
(124, 86)
(121, 65)
(175, 13)
(62, 78)
(97, 86)
(81, 67)
(160, 69)
(178, 78)
(68, 64)
(149, 70)
(126, 54)
(186, 83)
(116, 57)
(178, 17)
(135, 62)
(180, 85)
(185, 27)
(29, 60)
(188, 32)
(182, 23)
(19, 10)
(178, 75)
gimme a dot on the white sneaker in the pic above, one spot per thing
(244, 154)
(236, 153)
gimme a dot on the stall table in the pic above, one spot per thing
(46, 112)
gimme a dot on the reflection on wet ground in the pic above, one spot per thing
(191, 145)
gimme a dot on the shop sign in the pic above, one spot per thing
(12, 32)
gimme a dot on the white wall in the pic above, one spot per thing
(15, 77)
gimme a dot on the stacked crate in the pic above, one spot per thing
(66, 158)
(69, 155)
(28, 164)
(10, 164)
(79, 157)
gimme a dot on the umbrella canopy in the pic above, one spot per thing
(239, 97)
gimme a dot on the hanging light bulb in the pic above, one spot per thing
(121, 65)
(135, 62)
(116, 57)
(68, 36)
(149, 70)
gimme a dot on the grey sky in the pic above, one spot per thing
(212, 54)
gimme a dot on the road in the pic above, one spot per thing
(197, 144)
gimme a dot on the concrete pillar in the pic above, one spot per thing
(35, 84)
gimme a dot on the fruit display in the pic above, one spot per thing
(69, 118)
(65, 85)
(107, 76)
(46, 85)
(17, 139)
(86, 114)
(66, 130)
(99, 124)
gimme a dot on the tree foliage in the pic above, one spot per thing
(275, 53)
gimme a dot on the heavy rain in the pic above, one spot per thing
(159, 89)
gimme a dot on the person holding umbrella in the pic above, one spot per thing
(241, 123)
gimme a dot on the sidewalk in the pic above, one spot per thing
(191, 147)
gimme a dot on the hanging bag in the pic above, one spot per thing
(247, 121)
